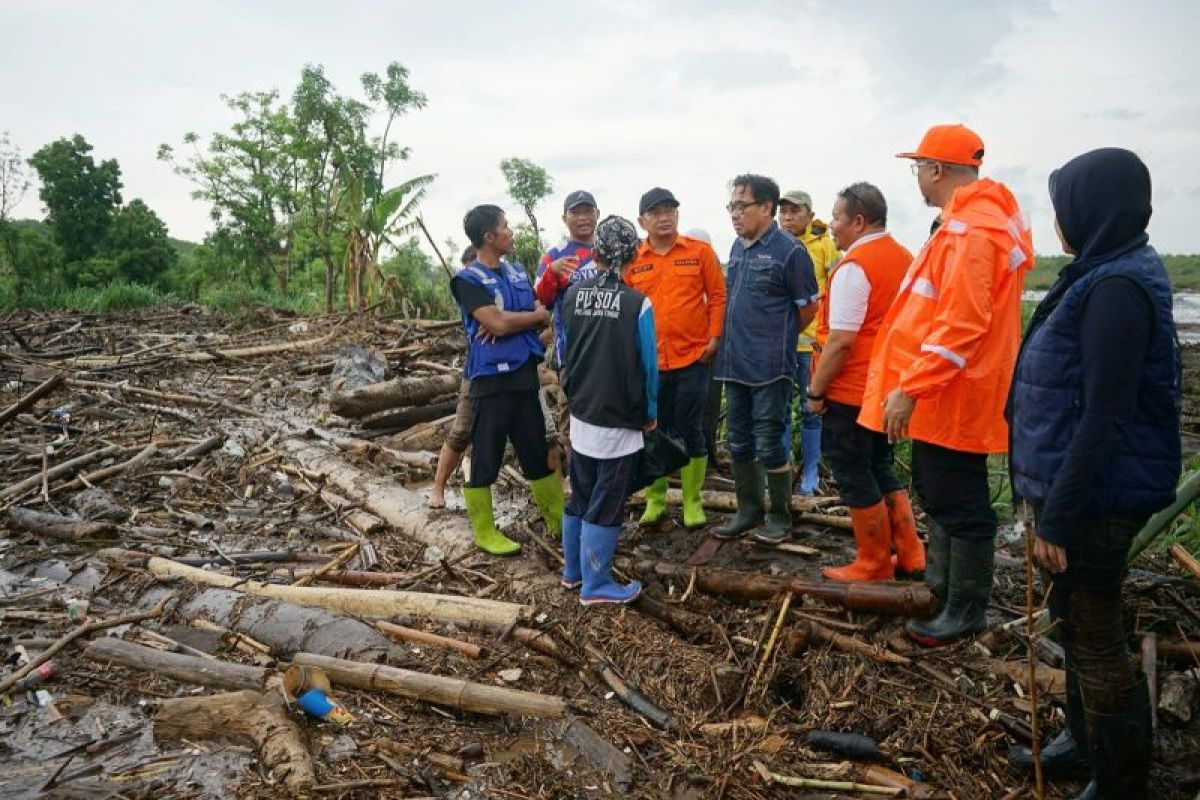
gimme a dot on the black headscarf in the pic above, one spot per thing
(1102, 203)
(616, 242)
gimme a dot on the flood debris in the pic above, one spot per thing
(205, 521)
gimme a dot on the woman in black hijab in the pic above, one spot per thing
(1095, 449)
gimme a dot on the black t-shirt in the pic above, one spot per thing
(472, 296)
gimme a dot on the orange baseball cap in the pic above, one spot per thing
(952, 144)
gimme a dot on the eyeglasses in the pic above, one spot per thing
(739, 207)
(916, 166)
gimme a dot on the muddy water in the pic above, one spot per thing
(1187, 313)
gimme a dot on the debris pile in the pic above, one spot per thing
(219, 578)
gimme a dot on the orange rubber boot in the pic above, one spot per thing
(910, 553)
(873, 538)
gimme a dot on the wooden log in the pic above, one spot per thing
(414, 636)
(245, 715)
(401, 508)
(286, 628)
(425, 437)
(396, 393)
(889, 597)
(359, 602)
(453, 692)
(58, 470)
(65, 529)
(407, 417)
(36, 393)
(350, 577)
(177, 666)
(1049, 680)
(199, 449)
(541, 642)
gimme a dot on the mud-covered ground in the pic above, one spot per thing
(179, 378)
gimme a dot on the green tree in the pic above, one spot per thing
(138, 243)
(81, 196)
(14, 182)
(36, 261)
(528, 185)
(249, 176)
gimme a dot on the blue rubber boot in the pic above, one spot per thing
(810, 450)
(572, 576)
(598, 545)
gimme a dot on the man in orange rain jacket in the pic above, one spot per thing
(941, 369)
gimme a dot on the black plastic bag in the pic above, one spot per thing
(662, 455)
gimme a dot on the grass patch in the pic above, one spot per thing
(238, 300)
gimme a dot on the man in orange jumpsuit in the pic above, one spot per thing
(942, 366)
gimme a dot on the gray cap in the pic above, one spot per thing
(579, 198)
(797, 198)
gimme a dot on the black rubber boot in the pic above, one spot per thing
(937, 561)
(748, 484)
(779, 514)
(1120, 746)
(1065, 756)
(967, 595)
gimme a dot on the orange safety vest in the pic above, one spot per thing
(950, 339)
(884, 261)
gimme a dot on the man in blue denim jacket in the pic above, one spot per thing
(771, 294)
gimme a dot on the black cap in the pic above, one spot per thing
(656, 196)
(579, 198)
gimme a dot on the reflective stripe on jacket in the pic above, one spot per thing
(950, 339)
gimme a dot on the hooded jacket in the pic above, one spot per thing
(1096, 397)
(950, 339)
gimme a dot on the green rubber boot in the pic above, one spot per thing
(692, 477)
(748, 480)
(656, 503)
(548, 494)
(483, 523)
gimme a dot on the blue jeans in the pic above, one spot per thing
(760, 422)
(803, 376)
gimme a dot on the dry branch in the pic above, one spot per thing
(66, 529)
(36, 393)
(179, 667)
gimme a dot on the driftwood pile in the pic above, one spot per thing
(196, 513)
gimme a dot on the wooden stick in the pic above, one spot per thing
(452, 692)
(66, 529)
(116, 469)
(770, 648)
(414, 636)
(1031, 654)
(37, 393)
(20, 487)
(341, 560)
(833, 786)
(1185, 559)
(75, 633)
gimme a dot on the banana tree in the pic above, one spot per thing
(372, 222)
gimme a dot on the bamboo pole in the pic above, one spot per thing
(359, 602)
(1160, 523)
(453, 692)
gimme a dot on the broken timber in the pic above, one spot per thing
(396, 393)
(179, 667)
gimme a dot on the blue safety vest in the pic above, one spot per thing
(512, 291)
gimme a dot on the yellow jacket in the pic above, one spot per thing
(824, 254)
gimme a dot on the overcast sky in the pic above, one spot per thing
(620, 96)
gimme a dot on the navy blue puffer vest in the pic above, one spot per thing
(1047, 398)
